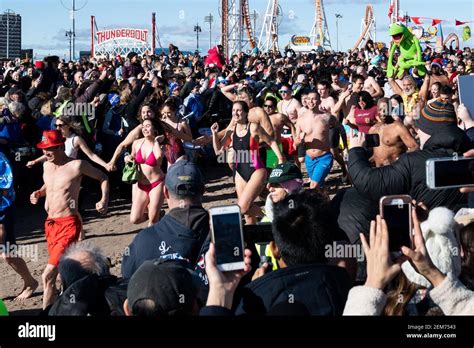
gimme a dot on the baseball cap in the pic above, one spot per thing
(436, 116)
(168, 287)
(284, 172)
(184, 179)
(221, 79)
(51, 138)
(301, 78)
(113, 99)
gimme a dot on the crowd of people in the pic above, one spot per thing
(269, 118)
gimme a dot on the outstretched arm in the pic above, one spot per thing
(87, 169)
(395, 87)
(130, 138)
(92, 156)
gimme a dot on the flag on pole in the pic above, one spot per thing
(436, 22)
(459, 22)
(416, 20)
(390, 11)
(466, 34)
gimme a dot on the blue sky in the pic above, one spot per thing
(44, 22)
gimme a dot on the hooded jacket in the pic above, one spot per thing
(179, 235)
(321, 288)
(407, 175)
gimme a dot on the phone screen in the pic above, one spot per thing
(227, 238)
(397, 217)
(466, 86)
(454, 173)
(372, 140)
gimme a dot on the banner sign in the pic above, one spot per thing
(300, 40)
(126, 33)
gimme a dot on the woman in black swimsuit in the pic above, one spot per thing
(249, 171)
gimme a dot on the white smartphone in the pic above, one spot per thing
(396, 211)
(227, 236)
(449, 172)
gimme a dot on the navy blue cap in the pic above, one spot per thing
(184, 179)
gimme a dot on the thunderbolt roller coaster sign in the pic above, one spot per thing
(111, 34)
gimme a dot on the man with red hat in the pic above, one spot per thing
(437, 73)
(62, 181)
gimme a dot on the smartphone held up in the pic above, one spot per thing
(396, 211)
(449, 172)
(227, 236)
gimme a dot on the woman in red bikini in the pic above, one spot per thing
(148, 191)
(249, 171)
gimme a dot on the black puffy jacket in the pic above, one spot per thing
(321, 288)
(407, 175)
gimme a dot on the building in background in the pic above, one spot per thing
(10, 35)
(26, 53)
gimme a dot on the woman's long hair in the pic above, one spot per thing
(75, 126)
(367, 98)
(399, 297)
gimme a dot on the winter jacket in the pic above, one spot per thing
(451, 296)
(179, 235)
(321, 288)
(194, 109)
(93, 295)
(130, 111)
(220, 104)
(407, 175)
(129, 70)
(86, 95)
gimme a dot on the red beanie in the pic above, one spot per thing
(39, 64)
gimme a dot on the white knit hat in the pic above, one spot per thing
(439, 232)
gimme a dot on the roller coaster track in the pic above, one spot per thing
(225, 36)
(368, 22)
(244, 8)
(452, 37)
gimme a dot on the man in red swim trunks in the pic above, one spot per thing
(62, 181)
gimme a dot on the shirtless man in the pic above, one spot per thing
(370, 85)
(289, 104)
(336, 84)
(8, 250)
(395, 138)
(349, 97)
(62, 181)
(327, 105)
(281, 123)
(312, 128)
(437, 74)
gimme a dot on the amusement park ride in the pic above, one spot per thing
(238, 35)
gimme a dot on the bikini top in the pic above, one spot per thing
(151, 159)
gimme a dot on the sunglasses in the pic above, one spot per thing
(267, 106)
(284, 91)
(59, 125)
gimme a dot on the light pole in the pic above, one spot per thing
(197, 29)
(337, 30)
(70, 34)
(209, 19)
(72, 12)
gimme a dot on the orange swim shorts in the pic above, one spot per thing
(60, 233)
